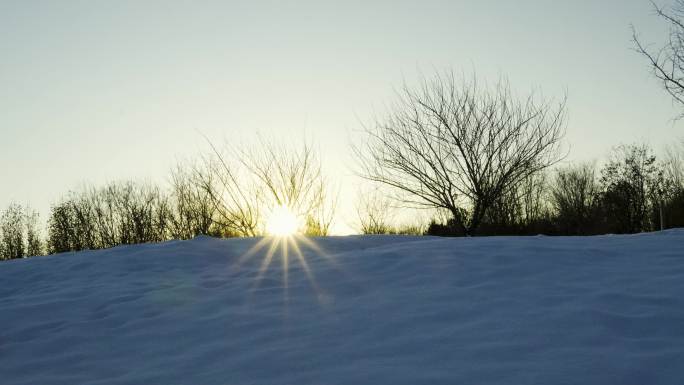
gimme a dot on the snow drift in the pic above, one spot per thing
(374, 310)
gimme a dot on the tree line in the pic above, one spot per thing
(481, 159)
(632, 192)
(227, 193)
(19, 233)
(488, 162)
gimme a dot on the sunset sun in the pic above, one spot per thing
(282, 222)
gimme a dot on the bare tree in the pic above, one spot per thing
(459, 146)
(667, 62)
(533, 193)
(106, 221)
(140, 214)
(574, 196)
(672, 209)
(520, 208)
(117, 213)
(234, 198)
(633, 186)
(60, 229)
(674, 164)
(194, 210)
(12, 229)
(83, 220)
(319, 221)
(34, 245)
(374, 212)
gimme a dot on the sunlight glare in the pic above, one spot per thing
(282, 222)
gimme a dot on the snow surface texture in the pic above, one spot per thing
(382, 310)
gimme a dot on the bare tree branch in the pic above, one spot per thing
(667, 62)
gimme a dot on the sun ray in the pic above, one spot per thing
(267, 261)
(286, 265)
(317, 249)
(285, 241)
(305, 265)
(252, 251)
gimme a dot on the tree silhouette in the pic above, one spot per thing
(667, 62)
(459, 146)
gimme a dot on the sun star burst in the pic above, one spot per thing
(282, 222)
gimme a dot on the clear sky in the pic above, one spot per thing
(93, 91)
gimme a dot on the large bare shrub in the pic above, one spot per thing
(458, 145)
(246, 183)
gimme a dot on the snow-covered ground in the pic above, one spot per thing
(375, 310)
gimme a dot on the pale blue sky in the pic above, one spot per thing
(92, 91)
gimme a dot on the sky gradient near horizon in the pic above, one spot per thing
(94, 91)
